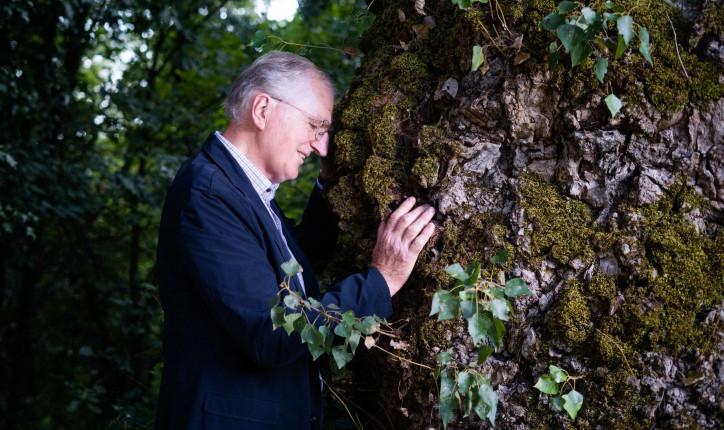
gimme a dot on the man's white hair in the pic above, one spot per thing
(273, 73)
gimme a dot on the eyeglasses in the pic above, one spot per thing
(319, 126)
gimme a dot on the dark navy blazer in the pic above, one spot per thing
(219, 260)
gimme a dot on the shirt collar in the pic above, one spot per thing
(262, 185)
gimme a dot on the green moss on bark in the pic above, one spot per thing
(570, 318)
(561, 225)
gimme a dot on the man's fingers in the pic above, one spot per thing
(409, 218)
(400, 211)
(421, 239)
(413, 229)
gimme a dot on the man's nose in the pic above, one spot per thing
(320, 146)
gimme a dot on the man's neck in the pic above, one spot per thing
(246, 142)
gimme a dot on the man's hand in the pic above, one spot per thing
(400, 238)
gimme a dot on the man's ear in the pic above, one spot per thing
(260, 110)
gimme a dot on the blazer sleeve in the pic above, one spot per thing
(237, 281)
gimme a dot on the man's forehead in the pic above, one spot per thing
(316, 96)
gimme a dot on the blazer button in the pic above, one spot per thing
(313, 419)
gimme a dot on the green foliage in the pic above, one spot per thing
(465, 4)
(467, 390)
(588, 30)
(554, 383)
(317, 324)
(478, 58)
(483, 304)
(613, 104)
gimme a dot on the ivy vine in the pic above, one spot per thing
(482, 302)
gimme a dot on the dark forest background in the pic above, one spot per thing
(101, 102)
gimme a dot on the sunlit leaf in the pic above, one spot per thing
(601, 68)
(572, 402)
(478, 58)
(613, 103)
(546, 384)
(624, 24)
(644, 44)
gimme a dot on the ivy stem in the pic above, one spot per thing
(304, 45)
(402, 358)
(623, 353)
(354, 419)
(676, 45)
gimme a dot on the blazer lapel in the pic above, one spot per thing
(216, 151)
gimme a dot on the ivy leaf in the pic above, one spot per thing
(469, 404)
(624, 24)
(457, 272)
(465, 4)
(569, 35)
(601, 68)
(478, 58)
(467, 302)
(354, 339)
(473, 273)
(299, 324)
(572, 403)
(289, 321)
(487, 403)
(341, 356)
(343, 330)
(467, 307)
(566, 6)
(644, 44)
(464, 381)
(579, 52)
(557, 403)
(310, 335)
(316, 350)
(277, 316)
(498, 333)
(553, 20)
(620, 47)
(480, 326)
(326, 338)
(447, 383)
(291, 267)
(516, 287)
(589, 14)
(557, 373)
(291, 301)
(444, 357)
(546, 385)
(500, 257)
(445, 305)
(499, 309)
(447, 409)
(613, 103)
(368, 325)
(484, 352)
(314, 303)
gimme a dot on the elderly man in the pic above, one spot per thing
(221, 245)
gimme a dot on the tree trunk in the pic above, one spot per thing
(614, 223)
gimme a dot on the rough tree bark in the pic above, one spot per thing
(616, 224)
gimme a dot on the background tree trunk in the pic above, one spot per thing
(616, 224)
